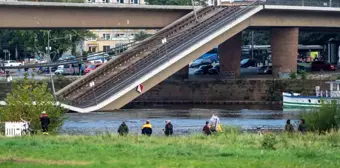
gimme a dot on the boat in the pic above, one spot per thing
(296, 100)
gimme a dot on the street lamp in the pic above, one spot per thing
(92, 84)
(48, 49)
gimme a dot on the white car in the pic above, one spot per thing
(9, 63)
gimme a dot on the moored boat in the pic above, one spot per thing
(296, 100)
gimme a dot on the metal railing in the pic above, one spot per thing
(187, 42)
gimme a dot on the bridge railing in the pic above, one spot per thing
(311, 3)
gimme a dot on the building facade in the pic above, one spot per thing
(105, 39)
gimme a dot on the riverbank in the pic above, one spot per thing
(230, 149)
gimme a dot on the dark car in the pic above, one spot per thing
(322, 65)
(245, 63)
(215, 70)
(265, 70)
(202, 70)
(47, 70)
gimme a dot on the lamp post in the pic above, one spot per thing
(92, 84)
(48, 49)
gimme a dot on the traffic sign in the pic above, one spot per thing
(140, 88)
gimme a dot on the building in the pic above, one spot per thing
(140, 2)
(106, 39)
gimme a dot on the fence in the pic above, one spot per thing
(13, 129)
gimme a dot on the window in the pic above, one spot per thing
(106, 48)
(92, 49)
(106, 1)
(91, 1)
(106, 37)
(120, 1)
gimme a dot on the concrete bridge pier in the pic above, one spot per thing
(229, 53)
(284, 47)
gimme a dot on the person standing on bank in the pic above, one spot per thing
(123, 129)
(147, 128)
(214, 123)
(168, 128)
(45, 121)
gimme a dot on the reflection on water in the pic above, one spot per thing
(185, 119)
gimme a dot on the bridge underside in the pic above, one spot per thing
(59, 15)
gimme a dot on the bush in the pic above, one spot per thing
(326, 118)
(292, 76)
(303, 74)
(27, 100)
(269, 141)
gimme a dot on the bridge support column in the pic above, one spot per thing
(229, 53)
(284, 47)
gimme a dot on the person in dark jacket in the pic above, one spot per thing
(206, 129)
(123, 129)
(45, 121)
(302, 126)
(147, 128)
(289, 127)
(168, 128)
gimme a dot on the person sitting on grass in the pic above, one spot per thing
(206, 130)
(45, 121)
(302, 126)
(289, 127)
(123, 129)
(147, 128)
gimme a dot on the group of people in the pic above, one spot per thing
(146, 128)
(211, 126)
(301, 128)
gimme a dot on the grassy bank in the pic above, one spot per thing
(224, 150)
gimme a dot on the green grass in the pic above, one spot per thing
(232, 149)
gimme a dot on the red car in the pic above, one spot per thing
(91, 67)
(322, 65)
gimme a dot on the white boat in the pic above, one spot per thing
(296, 100)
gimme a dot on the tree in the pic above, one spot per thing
(35, 41)
(27, 100)
(141, 36)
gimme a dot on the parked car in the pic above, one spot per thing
(47, 69)
(322, 65)
(265, 70)
(68, 69)
(9, 63)
(245, 63)
(67, 58)
(199, 62)
(215, 70)
(91, 67)
(203, 70)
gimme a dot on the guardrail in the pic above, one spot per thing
(171, 54)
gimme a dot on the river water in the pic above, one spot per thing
(185, 119)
